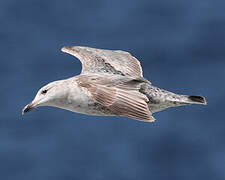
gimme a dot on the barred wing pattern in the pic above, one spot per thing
(114, 62)
(122, 99)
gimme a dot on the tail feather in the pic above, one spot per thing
(197, 99)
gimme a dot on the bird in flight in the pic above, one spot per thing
(110, 84)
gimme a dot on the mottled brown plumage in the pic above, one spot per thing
(118, 93)
(105, 61)
(110, 84)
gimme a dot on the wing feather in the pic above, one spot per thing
(105, 61)
(123, 102)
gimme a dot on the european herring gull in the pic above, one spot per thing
(110, 84)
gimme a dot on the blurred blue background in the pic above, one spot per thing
(181, 45)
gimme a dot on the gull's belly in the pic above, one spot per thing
(81, 103)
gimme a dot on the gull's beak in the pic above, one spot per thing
(28, 108)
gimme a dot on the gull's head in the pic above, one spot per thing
(51, 94)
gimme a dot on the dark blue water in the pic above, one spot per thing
(181, 45)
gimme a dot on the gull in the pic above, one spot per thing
(111, 83)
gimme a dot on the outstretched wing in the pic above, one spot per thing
(124, 99)
(107, 61)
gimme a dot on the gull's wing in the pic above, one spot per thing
(122, 99)
(107, 61)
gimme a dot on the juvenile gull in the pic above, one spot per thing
(110, 84)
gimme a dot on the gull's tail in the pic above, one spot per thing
(187, 99)
(196, 100)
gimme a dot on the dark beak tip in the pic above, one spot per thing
(27, 108)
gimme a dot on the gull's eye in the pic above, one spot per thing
(44, 91)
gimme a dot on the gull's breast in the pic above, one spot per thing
(78, 101)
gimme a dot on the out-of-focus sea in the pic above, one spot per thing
(181, 46)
